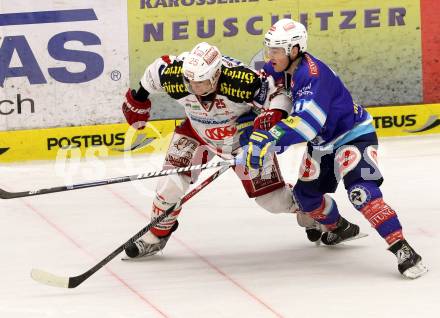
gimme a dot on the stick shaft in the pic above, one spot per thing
(148, 175)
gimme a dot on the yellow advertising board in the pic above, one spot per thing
(120, 139)
(365, 42)
(85, 141)
(406, 120)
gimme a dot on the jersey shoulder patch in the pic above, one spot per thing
(171, 79)
(239, 83)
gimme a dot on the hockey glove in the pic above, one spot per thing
(136, 113)
(269, 118)
(245, 127)
(261, 145)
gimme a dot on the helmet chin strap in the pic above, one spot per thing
(289, 64)
(291, 61)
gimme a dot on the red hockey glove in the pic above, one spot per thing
(269, 118)
(136, 113)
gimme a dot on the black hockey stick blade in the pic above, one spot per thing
(148, 175)
(47, 278)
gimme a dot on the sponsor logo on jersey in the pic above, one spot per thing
(208, 121)
(172, 88)
(240, 74)
(359, 196)
(313, 68)
(220, 133)
(181, 152)
(230, 91)
(171, 80)
(173, 70)
(304, 91)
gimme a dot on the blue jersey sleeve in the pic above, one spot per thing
(310, 109)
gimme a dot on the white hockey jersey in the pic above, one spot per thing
(239, 90)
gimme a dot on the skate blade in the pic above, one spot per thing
(360, 235)
(416, 271)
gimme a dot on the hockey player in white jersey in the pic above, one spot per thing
(219, 95)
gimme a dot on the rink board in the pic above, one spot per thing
(62, 63)
(406, 120)
(120, 139)
(84, 141)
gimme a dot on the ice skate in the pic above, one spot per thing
(148, 245)
(409, 262)
(314, 234)
(345, 231)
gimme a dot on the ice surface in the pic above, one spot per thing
(229, 257)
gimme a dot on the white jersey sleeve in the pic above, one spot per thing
(150, 81)
(270, 96)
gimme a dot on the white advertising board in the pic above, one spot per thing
(62, 63)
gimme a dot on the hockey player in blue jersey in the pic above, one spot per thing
(341, 145)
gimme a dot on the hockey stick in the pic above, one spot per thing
(153, 174)
(72, 282)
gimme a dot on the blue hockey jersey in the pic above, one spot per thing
(323, 113)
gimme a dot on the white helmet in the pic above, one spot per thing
(286, 33)
(204, 62)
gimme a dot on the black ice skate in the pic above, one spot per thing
(345, 231)
(314, 235)
(409, 262)
(142, 248)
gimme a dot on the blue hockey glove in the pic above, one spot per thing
(261, 145)
(245, 127)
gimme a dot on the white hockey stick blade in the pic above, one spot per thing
(416, 271)
(137, 259)
(126, 258)
(46, 278)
